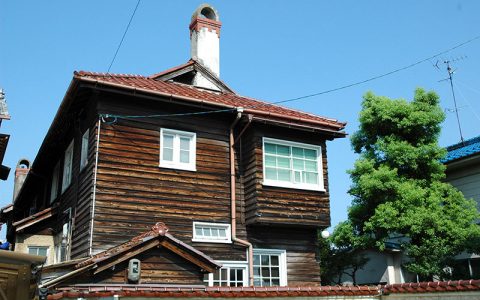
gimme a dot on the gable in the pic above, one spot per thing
(156, 247)
(193, 73)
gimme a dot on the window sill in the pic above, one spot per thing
(178, 167)
(294, 186)
(212, 241)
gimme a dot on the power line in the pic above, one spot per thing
(381, 75)
(314, 94)
(123, 37)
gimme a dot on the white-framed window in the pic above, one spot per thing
(269, 267)
(84, 151)
(292, 165)
(67, 167)
(54, 186)
(177, 149)
(38, 250)
(211, 232)
(232, 273)
(61, 248)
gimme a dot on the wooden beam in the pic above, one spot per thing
(187, 256)
(152, 243)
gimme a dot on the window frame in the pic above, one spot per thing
(226, 240)
(230, 264)
(84, 149)
(282, 262)
(38, 247)
(67, 180)
(54, 183)
(292, 185)
(176, 164)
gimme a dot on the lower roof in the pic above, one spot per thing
(462, 150)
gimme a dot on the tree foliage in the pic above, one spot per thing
(397, 185)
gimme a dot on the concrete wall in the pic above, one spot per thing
(23, 241)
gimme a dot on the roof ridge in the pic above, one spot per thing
(464, 143)
(102, 74)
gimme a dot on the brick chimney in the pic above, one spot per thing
(205, 38)
(21, 172)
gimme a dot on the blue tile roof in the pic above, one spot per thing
(462, 149)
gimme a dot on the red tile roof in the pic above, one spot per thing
(158, 291)
(165, 291)
(218, 99)
(433, 287)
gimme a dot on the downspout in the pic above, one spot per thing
(233, 198)
(94, 185)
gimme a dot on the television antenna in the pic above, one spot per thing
(450, 78)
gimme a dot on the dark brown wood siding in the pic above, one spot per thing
(300, 244)
(133, 192)
(158, 266)
(277, 205)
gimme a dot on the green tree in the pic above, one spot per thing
(397, 185)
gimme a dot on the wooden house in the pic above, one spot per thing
(175, 179)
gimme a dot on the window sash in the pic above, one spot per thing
(269, 267)
(38, 250)
(211, 232)
(84, 151)
(177, 149)
(231, 274)
(67, 167)
(292, 165)
(54, 185)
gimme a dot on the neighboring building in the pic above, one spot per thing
(4, 115)
(175, 179)
(463, 172)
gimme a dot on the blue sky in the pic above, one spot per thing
(271, 50)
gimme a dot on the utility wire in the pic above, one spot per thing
(123, 37)
(428, 59)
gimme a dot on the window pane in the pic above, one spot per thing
(283, 162)
(275, 282)
(271, 173)
(257, 282)
(275, 272)
(239, 275)
(214, 232)
(297, 152)
(283, 150)
(256, 271)
(270, 148)
(265, 260)
(198, 231)
(168, 154)
(298, 176)
(256, 260)
(233, 275)
(298, 164)
(266, 282)
(184, 156)
(274, 260)
(283, 175)
(167, 141)
(42, 251)
(222, 232)
(310, 154)
(216, 275)
(310, 165)
(311, 178)
(184, 143)
(270, 161)
(265, 272)
(206, 232)
(32, 250)
(223, 274)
